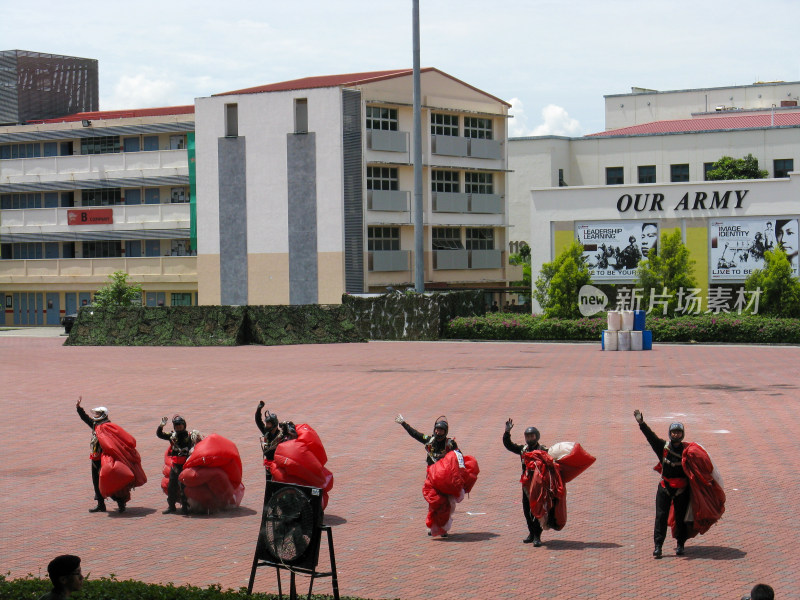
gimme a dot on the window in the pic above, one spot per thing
(383, 238)
(8, 151)
(706, 168)
(480, 239)
(614, 175)
(382, 178)
(442, 124)
(108, 144)
(26, 251)
(475, 127)
(444, 181)
(102, 249)
(106, 197)
(679, 173)
(19, 201)
(561, 182)
(181, 248)
(783, 166)
(231, 120)
(647, 174)
(447, 238)
(301, 115)
(478, 183)
(381, 118)
(177, 142)
(181, 299)
(178, 195)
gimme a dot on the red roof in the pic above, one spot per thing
(345, 80)
(710, 123)
(99, 115)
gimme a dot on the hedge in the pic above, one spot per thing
(30, 588)
(714, 328)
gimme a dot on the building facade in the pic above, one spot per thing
(305, 188)
(89, 194)
(645, 159)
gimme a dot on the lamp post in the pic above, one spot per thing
(419, 258)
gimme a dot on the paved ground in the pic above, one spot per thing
(740, 403)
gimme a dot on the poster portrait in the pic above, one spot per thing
(738, 245)
(614, 249)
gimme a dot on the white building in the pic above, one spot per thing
(583, 175)
(305, 188)
(88, 194)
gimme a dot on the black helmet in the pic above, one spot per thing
(178, 420)
(632, 239)
(676, 427)
(441, 423)
(532, 430)
(270, 418)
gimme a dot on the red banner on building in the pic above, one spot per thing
(97, 216)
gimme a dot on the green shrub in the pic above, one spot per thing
(118, 292)
(709, 328)
(780, 291)
(30, 588)
(667, 267)
(556, 289)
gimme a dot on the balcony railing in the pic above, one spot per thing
(389, 260)
(155, 266)
(454, 202)
(57, 167)
(387, 141)
(466, 147)
(467, 259)
(56, 218)
(388, 200)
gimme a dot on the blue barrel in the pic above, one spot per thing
(638, 320)
(603, 340)
(647, 340)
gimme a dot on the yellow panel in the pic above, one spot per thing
(697, 243)
(562, 240)
(330, 277)
(268, 278)
(208, 285)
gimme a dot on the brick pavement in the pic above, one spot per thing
(730, 398)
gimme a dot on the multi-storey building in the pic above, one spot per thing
(92, 193)
(564, 187)
(305, 188)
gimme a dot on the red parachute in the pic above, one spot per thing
(120, 463)
(302, 461)
(708, 498)
(545, 478)
(448, 480)
(212, 475)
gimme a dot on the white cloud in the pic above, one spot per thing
(142, 91)
(556, 121)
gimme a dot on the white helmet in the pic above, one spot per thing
(100, 413)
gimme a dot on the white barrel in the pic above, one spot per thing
(610, 341)
(636, 340)
(613, 321)
(627, 320)
(624, 340)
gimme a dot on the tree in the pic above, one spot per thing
(523, 257)
(560, 281)
(736, 168)
(118, 292)
(780, 291)
(667, 266)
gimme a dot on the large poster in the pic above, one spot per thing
(738, 246)
(613, 250)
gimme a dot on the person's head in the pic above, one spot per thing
(270, 420)
(65, 573)
(100, 413)
(531, 436)
(178, 423)
(649, 237)
(676, 433)
(632, 239)
(785, 229)
(760, 591)
(440, 428)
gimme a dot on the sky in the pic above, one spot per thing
(553, 61)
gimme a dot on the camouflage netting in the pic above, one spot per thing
(408, 315)
(396, 316)
(159, 326)
(306, 324)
